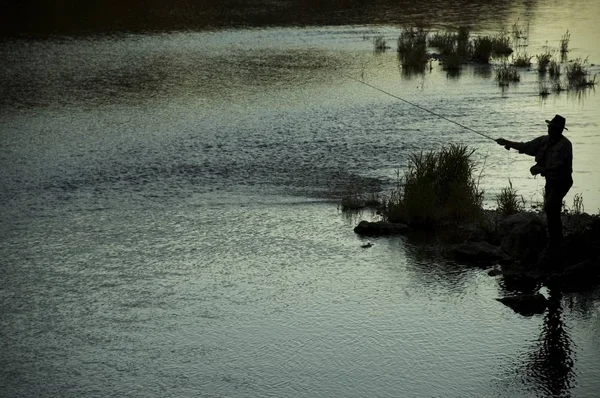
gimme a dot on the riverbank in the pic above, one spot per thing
(515, 246)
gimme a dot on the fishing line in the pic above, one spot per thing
(420, 107)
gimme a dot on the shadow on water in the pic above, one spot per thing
(72, 17)
(429, 267)
(550, 366)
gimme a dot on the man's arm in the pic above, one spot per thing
(530, 148)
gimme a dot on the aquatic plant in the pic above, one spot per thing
(412, 48)
(543, 60)
(544, 90)
(522, 60)
(508, 201)
(501, 44)
(482, 49)
(564, 43)
(506, 74)
(354, 200)
(554, 69)
(451, 62)
(577, 74)
(380, 44)
(557, 86)
(445, 42)
(437, 186)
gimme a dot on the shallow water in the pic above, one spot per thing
(169, 221)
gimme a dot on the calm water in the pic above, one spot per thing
(169, 221)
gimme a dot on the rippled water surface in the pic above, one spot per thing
(169, 222)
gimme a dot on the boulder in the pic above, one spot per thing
(476, 252)
(578, 277)
(523, 235)
(380, 228)
(526, 304)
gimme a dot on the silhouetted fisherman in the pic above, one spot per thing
(554, 160)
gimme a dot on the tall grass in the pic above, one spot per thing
(445, 42)
(554, 69)
(380, 44)
(437, 186)
(543, 60)
(577, 74)
(412, 48)
(509, 201)
(501, 44)
(522, 60)
(506, 74)
(482, 49)
(564, 43)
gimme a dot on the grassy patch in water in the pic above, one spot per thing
(412, 48)
(482, 49)
(543, 61)
(554, 69)
(564, 43)
(578, 74)
(506, 74)
(438, 186)
(522, 60)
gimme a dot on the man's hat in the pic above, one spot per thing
(558, 121)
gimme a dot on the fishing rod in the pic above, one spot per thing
(420, 107)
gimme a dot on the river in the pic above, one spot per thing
(169, 220)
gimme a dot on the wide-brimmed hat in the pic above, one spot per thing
(558, 121)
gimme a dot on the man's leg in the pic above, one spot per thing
(555, 194)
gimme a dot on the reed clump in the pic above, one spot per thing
(578, 74)
(412, 48)
(554, 69)
(354, 201)
(564, 43)
(522, 60)
(380, 44)
(543, 61)
(509, 201)
(501, 44)
(438, 186)
(482, 49)
(445, 42)
(506, 74)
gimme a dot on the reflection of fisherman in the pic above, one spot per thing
(554, 160)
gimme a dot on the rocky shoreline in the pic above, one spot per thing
(516, 248)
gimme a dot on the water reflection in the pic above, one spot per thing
(550, 366)
(70, 16)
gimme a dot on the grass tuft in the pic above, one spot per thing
(482, 49)
(437, 186)
(380, 44)
(577, 74)
(564, 43)
(543, 60)
(506, 74)
(412, 48)
(554, 69)
(522, 60)
(509, 201)
(501, 44)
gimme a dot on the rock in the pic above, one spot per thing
(523, 235)
(379, 228)
(476, 252)
(526, 304)
(578, 277)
